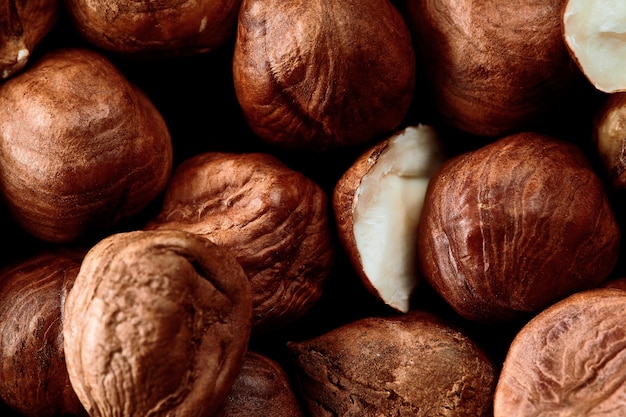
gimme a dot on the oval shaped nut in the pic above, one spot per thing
(314, 75)
(274, 220)
(377, 204)
(33, 376)
(609, 138)
(262, 388)
(157, 323)
(569, 360)
(514, 226)
(412, 364)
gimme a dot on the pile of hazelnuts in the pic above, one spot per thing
(305, 209)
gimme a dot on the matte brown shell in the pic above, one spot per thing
(262, 389)
(274, 220)
(514, 226)
(33, 377)
(81, 148)
(313, 74)
(493, 67)
(157, 323)
(149, 29)
(408, 365)
(568, 360)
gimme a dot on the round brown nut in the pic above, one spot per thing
(157, 323)
(23, 25)
(81, 148)
(262, 388)
(568, 360)
(412, 364)
(315, 75)
(144, 28)
(33, 377)
(512, 227)
(609, 138)
(274, 220)
(494, 67)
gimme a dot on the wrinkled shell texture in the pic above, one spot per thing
(313, 74)
(408, 365)
(33, 376)
(157, 323)
(152, 29)
(568, 361)
(23, 24)
(512, 227)
(262, 389)
(80, 148)
(494, 66)
(274, 220)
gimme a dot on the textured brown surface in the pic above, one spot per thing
(568, 361)
(512, 227)
(145, 28)
(33, 376)
(494, 66)
(609, 138)
(274, 220)
(23, 25)
(81, 148)
(262, 389)
(409, 365)
(316, 74)
(157, 323)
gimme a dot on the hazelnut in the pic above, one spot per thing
(157, 323)
(609, 138)
(377, 204)
(274, 220)
(33, 377)
(413, 364)
(81, 148)
(148, 29)
(315, 75)
(512, 227)
(568, 360)
(262, 388)
(23, 25)
(594, 35)
(493, 67)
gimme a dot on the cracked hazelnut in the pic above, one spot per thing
(512, 227)
(412, 364)
(494, 67)
(23, 25)
(145, 28)
(33, 377)
(262, 388)
(568, 360)
(274, 220)
(314, 75)
(377, 204)
(81, 148)
(157, 323)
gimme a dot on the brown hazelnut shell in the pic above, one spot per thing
(493, 67)
(262, 388)
(512, 227)
(145, 29)
(609, 138)
(82, 148)
(33, 377)
(274, 220)
(23, 25)
(157, 322)
(568, 360)
(313, 75)
(412, 364)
